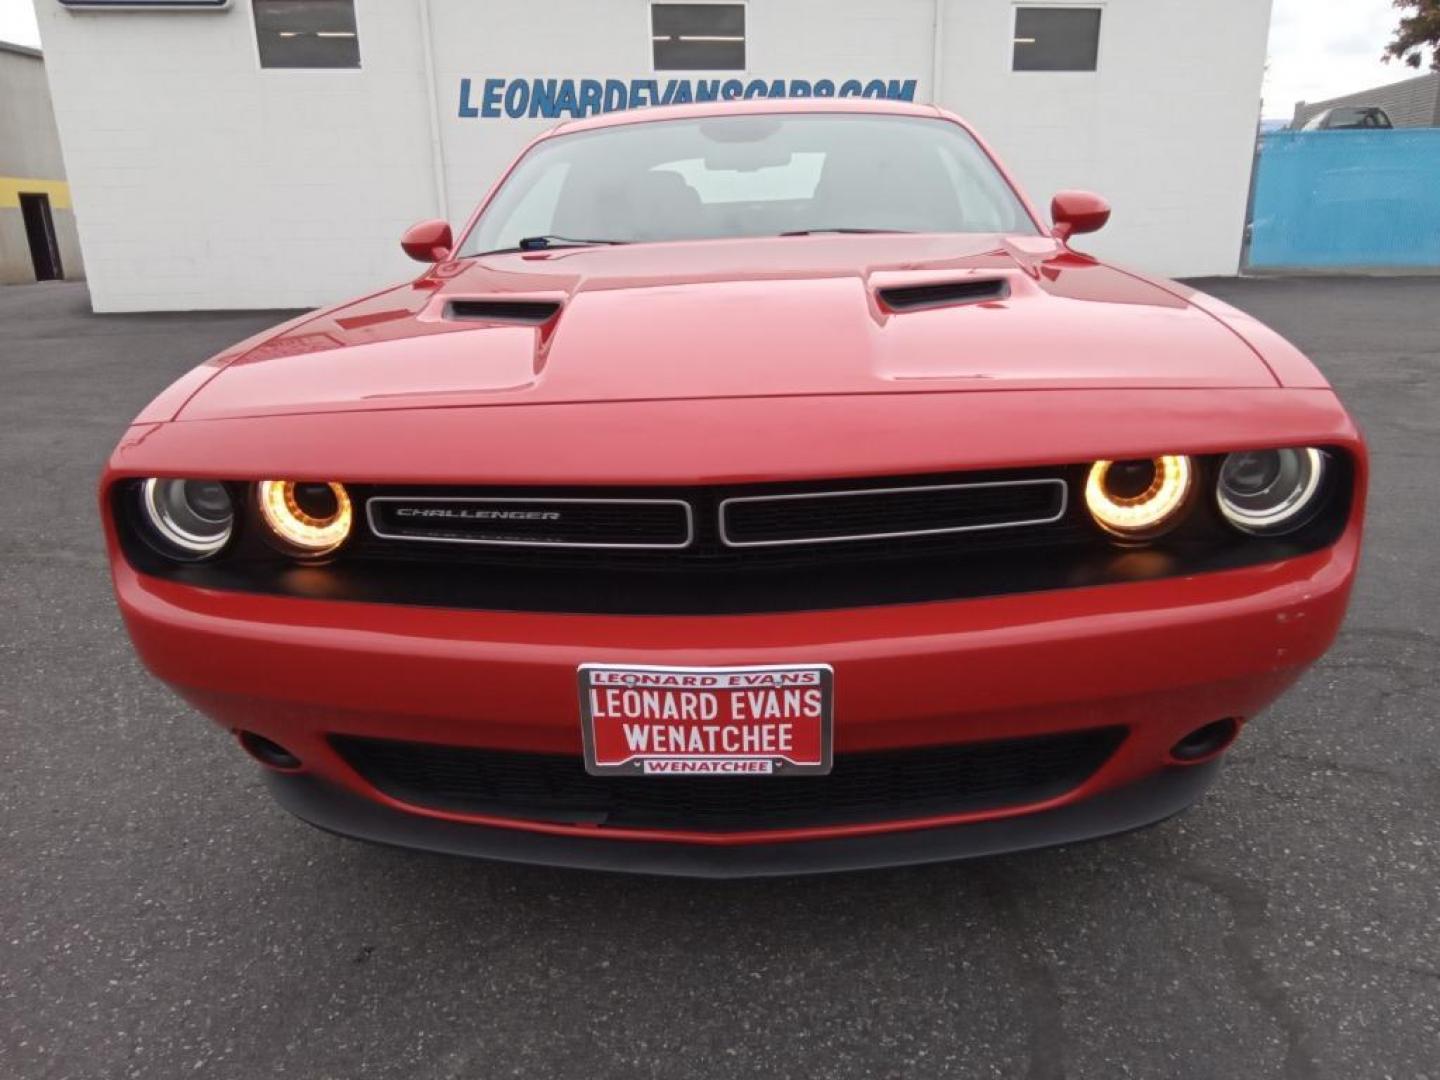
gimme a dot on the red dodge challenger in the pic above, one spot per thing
(753, 488)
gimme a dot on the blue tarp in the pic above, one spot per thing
(1347, 198)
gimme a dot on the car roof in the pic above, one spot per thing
(650, 114)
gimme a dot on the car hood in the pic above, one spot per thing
(699, 321)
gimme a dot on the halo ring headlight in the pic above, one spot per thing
(1141, 499)
(1270, 492)
(306, 519)
(188, 519)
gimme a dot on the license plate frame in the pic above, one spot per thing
(610, 749)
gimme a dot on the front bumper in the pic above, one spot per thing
(1160, 658)
(1133, 806)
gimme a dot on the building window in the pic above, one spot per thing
(307, 33)
(698, 37)
(1057, 38)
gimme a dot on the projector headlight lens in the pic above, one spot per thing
(1139, 500)
(1269, 492)
(307, 519)
(188, 519)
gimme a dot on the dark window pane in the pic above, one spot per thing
(713, 19)
(307, 33)
(1056, 39)
(698, 37)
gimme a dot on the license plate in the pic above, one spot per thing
(641, 720)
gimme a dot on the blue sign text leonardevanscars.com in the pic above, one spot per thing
(552, 99)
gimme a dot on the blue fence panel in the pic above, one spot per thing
(1347, 198)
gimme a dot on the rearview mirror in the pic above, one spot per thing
(1076, 212)
(743, 144)
(429, 241)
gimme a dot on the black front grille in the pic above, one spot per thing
(870, 787)
(532, 522)
(828, 517)
(752, 548)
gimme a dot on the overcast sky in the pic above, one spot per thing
(1318, 48)
(17, 22)
(1323, 48)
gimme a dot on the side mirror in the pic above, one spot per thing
(429, 241)
(1078, 212)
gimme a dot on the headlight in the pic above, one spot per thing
(307, 519)
(188, 519)
(1270, 491)
(1140, 499)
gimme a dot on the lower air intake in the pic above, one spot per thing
(871, 787)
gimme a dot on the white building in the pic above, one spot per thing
(268, 153)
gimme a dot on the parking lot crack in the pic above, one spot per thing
(1042, 1006)
(1248, 912)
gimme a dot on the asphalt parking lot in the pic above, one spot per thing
(160, 918)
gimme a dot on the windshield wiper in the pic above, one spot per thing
(541, 243)
(812, 232)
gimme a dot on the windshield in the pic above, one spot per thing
(1359, 118)
(757, 175)
(1350, 117)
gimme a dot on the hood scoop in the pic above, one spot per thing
(944, 294)
(516, 312)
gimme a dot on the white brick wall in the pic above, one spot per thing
(201, 181)
(1165, 129)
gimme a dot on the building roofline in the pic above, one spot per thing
(21, 50)
(1427, 76)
